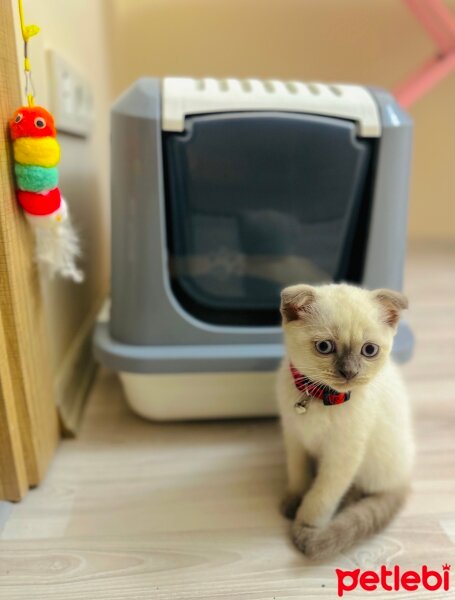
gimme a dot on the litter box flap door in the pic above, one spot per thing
(258, 201)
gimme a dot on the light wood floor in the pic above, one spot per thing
(131, 509)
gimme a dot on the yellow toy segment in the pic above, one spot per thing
(43, 152)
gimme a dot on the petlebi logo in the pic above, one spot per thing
(394, 580)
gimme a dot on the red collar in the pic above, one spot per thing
(327, 394)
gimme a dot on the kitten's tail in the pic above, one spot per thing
(351, 525)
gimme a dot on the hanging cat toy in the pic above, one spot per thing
(36, 156)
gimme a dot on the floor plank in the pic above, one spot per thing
(142, 510)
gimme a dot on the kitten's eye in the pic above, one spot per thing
(325, 347)
(18, 118)
(40, 123)
(369, 349)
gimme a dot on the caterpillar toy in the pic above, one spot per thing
(36, 156)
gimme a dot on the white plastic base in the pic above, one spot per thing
(189, 396)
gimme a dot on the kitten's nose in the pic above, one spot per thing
(348, 373)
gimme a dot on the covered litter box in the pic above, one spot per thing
(223, 192)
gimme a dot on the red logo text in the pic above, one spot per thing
(393, 579)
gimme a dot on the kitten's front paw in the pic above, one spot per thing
(312, 512)
(290, 504)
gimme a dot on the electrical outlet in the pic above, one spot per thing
(70, 97)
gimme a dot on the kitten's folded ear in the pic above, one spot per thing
(297, 301)
(392, 304)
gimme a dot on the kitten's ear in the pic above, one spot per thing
(297, 301)
(392, 304)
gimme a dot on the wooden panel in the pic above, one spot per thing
(20, 298)
(13, 476)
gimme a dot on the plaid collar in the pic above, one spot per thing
(327, 394)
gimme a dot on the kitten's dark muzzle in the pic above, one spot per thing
(349, 375)
(348, 366)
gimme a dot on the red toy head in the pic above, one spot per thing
(32, 121)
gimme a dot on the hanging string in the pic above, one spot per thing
(28, 31)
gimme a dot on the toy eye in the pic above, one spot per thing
(325, 347)
(18, 118)
(40, 123)
(369, 349)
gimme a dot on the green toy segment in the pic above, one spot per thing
(32, 178)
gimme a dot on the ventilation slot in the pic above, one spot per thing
(291, 87)
(223, 84)
(313, 89)
(335, 90)
(246, 85)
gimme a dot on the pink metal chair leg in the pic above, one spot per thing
(423, 80)
(437, 19)
(439, 23)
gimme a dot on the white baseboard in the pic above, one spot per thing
(75, 375)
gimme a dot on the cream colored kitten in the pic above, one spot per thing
(349, 464)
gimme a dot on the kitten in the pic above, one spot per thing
(345, 415)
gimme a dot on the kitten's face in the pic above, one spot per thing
(339, 335)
